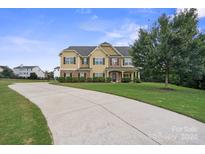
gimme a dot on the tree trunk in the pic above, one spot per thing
(166, 78)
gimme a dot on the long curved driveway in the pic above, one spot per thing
(77, 116)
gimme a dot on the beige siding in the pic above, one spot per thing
(70, 66)
(98, 53)
(109, 50)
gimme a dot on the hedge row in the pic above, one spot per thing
(82, 79)
(94, 79)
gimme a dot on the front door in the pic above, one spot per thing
(114, 76)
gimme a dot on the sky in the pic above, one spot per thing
(37, 36)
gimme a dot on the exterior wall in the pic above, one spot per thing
(98, 68)
(56, 72)
(109, 50)
(74, 73)
(25, 72)
(1, 69)
(70, 66)
(84, 65)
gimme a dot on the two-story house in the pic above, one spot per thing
(103, 60)
(25, 71)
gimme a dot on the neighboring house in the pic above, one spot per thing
(25, 71)
(2, 68)
(56, 72)
(103, 60)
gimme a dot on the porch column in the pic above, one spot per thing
(122, 74)
(138, 75)
(132, 76)
(107, 74)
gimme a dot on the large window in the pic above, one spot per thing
(98, 74)
(98, 61)
(69, 60)
(128, 61)
(85, 60)
(114, 61)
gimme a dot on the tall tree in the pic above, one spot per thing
(170, 45)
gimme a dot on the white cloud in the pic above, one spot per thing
(123, 35)
(19, 44)
(113, 32)
(94, 17)
(84, 11)
(201, 11)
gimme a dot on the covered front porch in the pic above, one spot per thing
(116, 74)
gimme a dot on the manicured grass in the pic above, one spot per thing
(187, 101)
(21, 122)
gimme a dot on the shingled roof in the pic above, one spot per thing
(86, 50)
(25, 67)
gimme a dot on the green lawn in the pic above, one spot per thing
(21, 122)
(187, 101)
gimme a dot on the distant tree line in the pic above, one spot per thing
(172, 50)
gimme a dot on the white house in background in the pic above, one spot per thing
(25, 71)
(56, 72)
(1, 69)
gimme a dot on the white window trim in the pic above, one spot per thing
(68, 60)
(127, 62)
(98, 59)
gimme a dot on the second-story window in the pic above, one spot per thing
(114, 61)
(98, 61)
(85, 60)
(128, 61)
(69, 60)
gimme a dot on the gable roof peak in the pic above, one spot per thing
(105, 44)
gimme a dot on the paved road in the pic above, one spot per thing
(77, 116)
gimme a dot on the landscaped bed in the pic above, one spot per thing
(21, 122)
(187, 101)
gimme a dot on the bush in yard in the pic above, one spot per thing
(108, 79)
(68, 79)
(75, 79)
(61, 79)
(33, 76)
(126, 80)
(98, 79)
(89, 80)
(82, 79)
(137, 80)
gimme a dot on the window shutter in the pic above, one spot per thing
(63, 60)
(82, 60)
(93, 74)
(78, 74)
(71, 75)
(74, 60)
(93, 61)
(88, 61)
(103, 74)
(84, 75)
(123, 61)
(103, 61)
(117, 61)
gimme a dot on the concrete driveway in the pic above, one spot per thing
(77, 116)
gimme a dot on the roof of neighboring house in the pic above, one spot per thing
(86, 50)
(57, 67)
(3, 67)
(25, 67)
